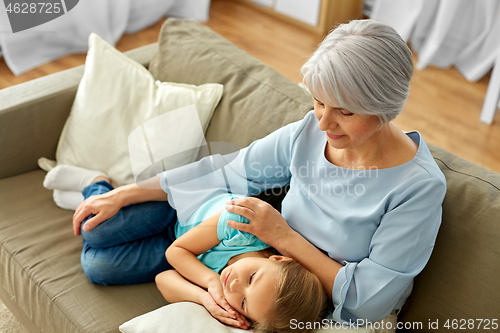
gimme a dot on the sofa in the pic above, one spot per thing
(41, 279)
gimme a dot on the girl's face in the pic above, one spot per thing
(250, 285)
(343, 128)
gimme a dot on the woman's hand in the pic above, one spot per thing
(215, 302)
(103, 206)
(266, 223)
(269, 226)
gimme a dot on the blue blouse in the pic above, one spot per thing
(380, 224)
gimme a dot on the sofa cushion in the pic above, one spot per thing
(116, 112)
(257, 100)
(461, 279)
(40, 266)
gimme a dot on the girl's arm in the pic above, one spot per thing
(192, 280)
(175, 288)
(182, 254)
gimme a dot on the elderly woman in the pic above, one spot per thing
(364, 204)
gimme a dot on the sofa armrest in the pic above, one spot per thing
(32, 115)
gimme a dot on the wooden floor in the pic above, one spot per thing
(443, 106)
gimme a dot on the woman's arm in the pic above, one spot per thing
(106, 205)
(263, 165)
(325, 268)
(399, 249)
(269, 226)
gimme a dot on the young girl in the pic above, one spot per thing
(268, 290)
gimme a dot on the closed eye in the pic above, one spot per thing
(345, 112)
(319, 102)
(243, 301)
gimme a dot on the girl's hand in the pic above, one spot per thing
(223, 312)
(266, 223)
(217, 293)
(103, 206)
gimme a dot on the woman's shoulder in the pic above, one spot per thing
(419, 178)
(421, 171)
(424, 159)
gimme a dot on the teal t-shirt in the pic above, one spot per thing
(232, 241)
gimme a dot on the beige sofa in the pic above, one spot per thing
(41, 279)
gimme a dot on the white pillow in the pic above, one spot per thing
(116, 96)
(183, 317)
(187, 317)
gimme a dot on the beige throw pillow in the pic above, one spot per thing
(120, 109)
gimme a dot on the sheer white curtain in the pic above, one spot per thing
(462, 33)
(69, 33)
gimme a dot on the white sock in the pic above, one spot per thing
(70, 178)
(68, 199)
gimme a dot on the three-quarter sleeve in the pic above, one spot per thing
(262, 165)
(265, 163)
(399, 250)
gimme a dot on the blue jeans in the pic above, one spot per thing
(128, 248)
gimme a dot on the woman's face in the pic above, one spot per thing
(343, 128)
(250, 285)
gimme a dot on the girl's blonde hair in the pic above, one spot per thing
(300, 296)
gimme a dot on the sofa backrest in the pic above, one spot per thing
(256, 99)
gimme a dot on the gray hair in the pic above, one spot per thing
(364, 66)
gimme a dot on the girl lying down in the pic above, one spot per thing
(234, 275)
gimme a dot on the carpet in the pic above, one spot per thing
(8, 323)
